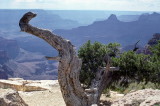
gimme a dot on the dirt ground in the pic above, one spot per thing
(52, 97)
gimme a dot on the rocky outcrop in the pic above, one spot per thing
(10, 98)
(154, 40)
(147, 97)
(21, 85)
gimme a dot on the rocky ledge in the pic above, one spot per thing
(20, 84)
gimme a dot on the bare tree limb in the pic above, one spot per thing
(135, 46)
(69, 67)
(53, 58)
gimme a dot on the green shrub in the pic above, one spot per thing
(133, 67)
(92, 57)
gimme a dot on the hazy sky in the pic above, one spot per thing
(133, 5)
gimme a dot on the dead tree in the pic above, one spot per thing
(135, 47)
(69, 67)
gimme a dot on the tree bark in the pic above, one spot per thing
(69, 67)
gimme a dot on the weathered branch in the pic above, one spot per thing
(135, 46)
(69, 67)
(53, 58)
(102, 79)
(69, 63)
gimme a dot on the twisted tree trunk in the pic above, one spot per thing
(69, 67)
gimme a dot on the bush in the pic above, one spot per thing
(92, 57)
(133, 67)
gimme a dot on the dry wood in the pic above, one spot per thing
(69, 67)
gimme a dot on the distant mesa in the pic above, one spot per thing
(150, 17)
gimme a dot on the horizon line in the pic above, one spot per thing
(79, 10)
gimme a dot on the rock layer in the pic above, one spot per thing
(21, 85)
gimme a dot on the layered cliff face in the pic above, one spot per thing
(10, 47)
(8, 50)
(3, 57)
(17, 62)
(34, 70)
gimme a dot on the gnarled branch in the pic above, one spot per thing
(69, 67)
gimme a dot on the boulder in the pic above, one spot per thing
(10, 97)
(146, 97)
